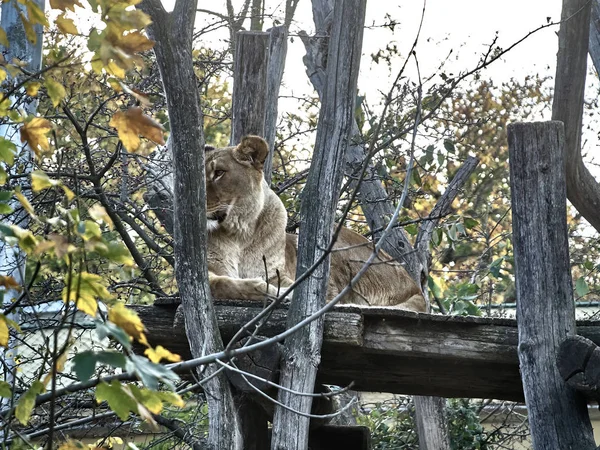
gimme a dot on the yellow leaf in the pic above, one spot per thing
(63, 5)
(68, 192)
(66, 26)
(72, 445)
(2, 73)
(32, 88)
(35, 13)
(9, 282)
(40, 181)
(60, 365)
(4, 335)
(34, 133)
(98, 213)
(3, 39)
(114, 69)
(133, 123)
(158, 353)
(56, 91)
(25, 202)
(27, 402)
(127, 319)
(85, 288)
(134, 42)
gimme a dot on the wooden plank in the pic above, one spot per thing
(387, 350)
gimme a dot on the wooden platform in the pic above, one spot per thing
(386, 350)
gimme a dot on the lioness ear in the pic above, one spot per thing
(252, 149)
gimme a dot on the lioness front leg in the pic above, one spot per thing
(242, 288)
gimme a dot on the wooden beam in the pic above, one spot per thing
(387, 350)
(557, 415)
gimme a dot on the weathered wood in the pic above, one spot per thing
(320, 197)
(249, 83)
(395, 351)
(172, 33)
(578, 362)
(594, 41)
(571, 68)
(277, 54)
(432, 426)
(558, 416)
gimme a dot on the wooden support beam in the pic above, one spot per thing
(249, 76)
(558, 416)
(387, 350)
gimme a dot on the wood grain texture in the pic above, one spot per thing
(301, 355)
(389, 350)
(558, 416)
(277, 53)
(249, 83)
(172, 33)
(571, 69)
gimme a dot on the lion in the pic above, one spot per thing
(250, 255)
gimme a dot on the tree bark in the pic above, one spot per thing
(277, 54)
(558, 416)
(173, 35)
(249, 83)
(594, 40)
(573, 38)
(302, 350)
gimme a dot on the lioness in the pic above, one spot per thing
(248, 245)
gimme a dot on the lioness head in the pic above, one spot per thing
(234, 183)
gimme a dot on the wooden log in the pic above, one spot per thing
(386, 350)
(571, 69)
(277, 54)
(578, 362)
(249, 84)
(321, 195)
(558, 416)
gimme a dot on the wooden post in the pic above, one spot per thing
(277, 54)
(249, 85)
(558, 416)
(302, 352)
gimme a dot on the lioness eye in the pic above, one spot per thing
(218, 174)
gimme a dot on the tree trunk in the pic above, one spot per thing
(558, 416)
(321, 194)
(173, 35)
(277, 54)
(594, 40)
(573, 39)
(249, 82)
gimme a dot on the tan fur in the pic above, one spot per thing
(247, 220)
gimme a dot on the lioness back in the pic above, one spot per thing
(385, 283)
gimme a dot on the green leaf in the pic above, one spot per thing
(26, 402)
(56, 91)
(84, 363)
(496, 266)
(5, 390)
(150, 373)
(118, 400)
(589, 265)
(452, 232)
(8, 150)
(449, 145)
(412, 229)
(581, 287)
(109, 329)
(5, 208)
(437, 236)
(470, 223)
